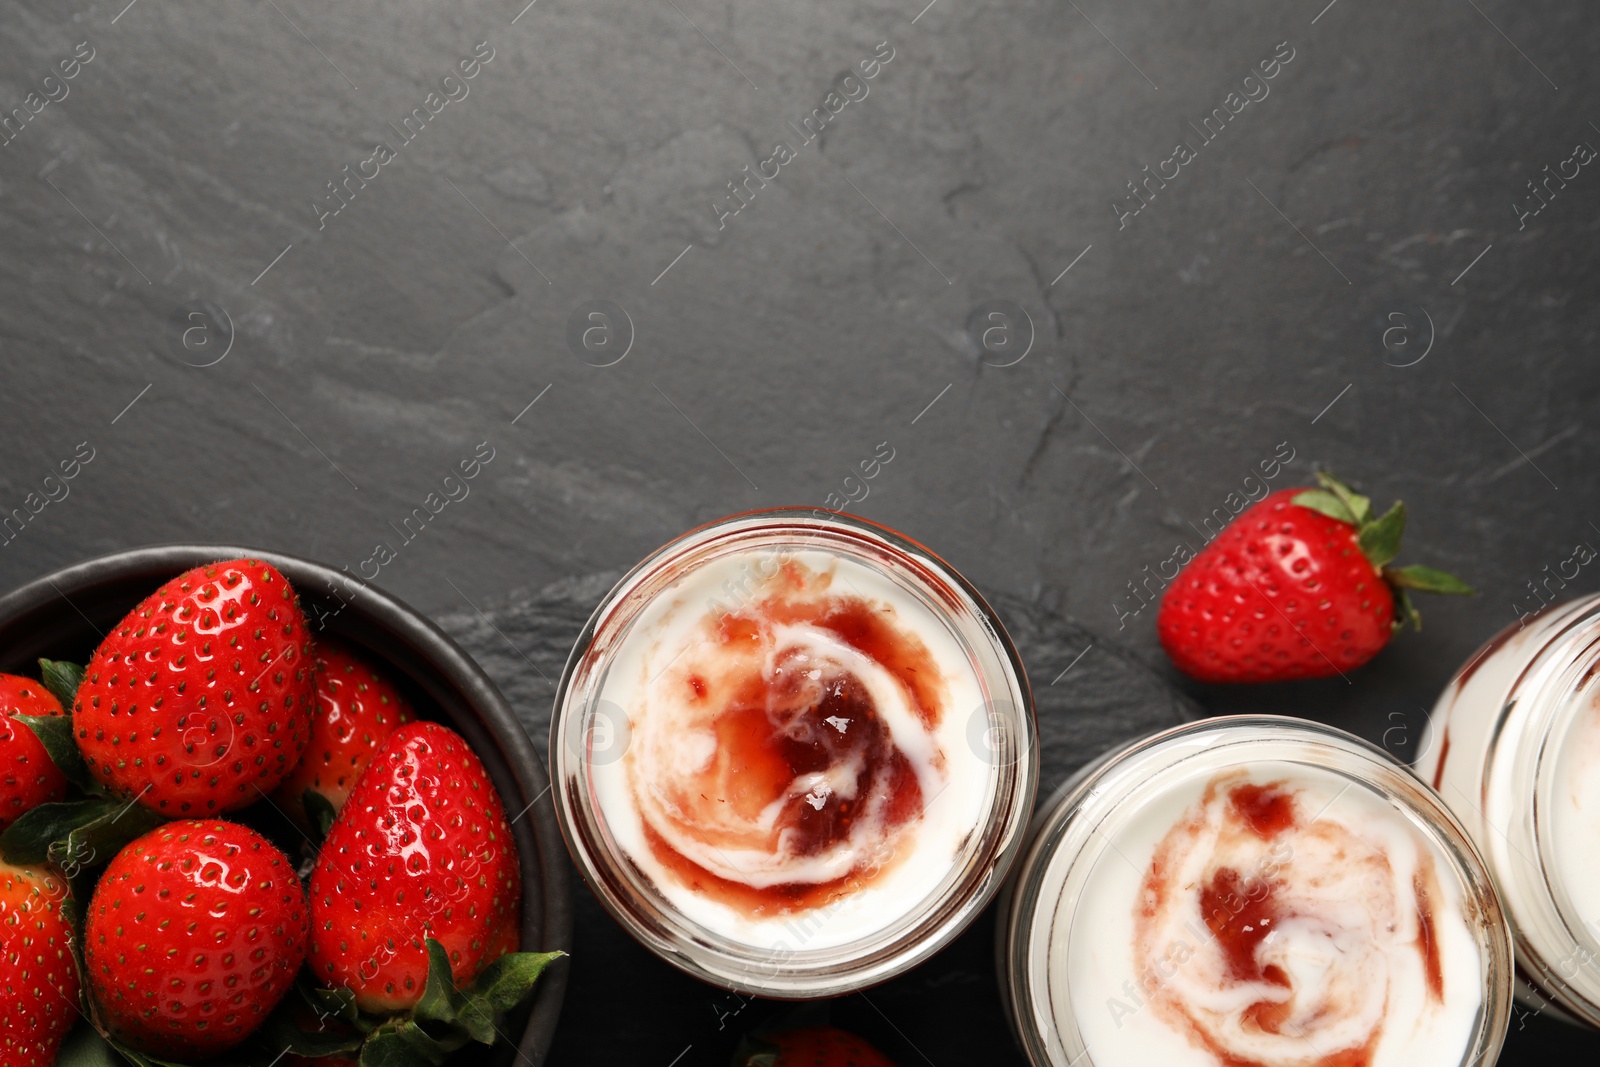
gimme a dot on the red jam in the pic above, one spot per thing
(1242, 911)
(799, 729)
(1430, 942)
(870, 630)
(1444, 750)
(1267, 809)
(1239, 932)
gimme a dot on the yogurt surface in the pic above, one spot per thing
(1576, 818)
(1268, 915)
(799, 772)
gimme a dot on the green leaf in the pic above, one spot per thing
(754, 1051)
(140, 1059)
(93, 844)
(337, 1004)
(62, 679)
(27, 841)
(501, 987)
(1359, 505)
(1408, 612)
(441, 1001)
(319, 812)
(404, 1043)
(280, 1033)
(1325, 502)
(1380, 539)
(1428, 580)
(291, 1030)
(84, 1047)
(76, 835)
(507, 981)
(55, 733)
(387, 1049)
(86, 1005)
(447, 1017)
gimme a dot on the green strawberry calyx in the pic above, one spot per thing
(78, 835)
(61, 679)
(445, 1020)
(448, 1016)
(1379, 538)
(756, 1051)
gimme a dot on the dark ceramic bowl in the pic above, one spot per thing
(63, 616)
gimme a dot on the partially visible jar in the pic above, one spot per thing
(793, 753)
(1513, 746)
(1252, 890)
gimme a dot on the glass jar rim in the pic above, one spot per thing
(1008, 723)
(1063, 830)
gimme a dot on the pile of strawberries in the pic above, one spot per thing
(149, 905)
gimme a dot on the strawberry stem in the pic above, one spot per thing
(1379, 539)
(449, 1016)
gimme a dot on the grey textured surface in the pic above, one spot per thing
(1245, 306)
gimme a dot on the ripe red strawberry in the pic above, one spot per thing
(38, 977)
(356, 710)
(194, 934)
(421, 849)
(811, 1046)
(200, 700)
(28, 777)
(1298, 586)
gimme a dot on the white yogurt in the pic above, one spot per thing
(1252, 891)
(1347, 971)
(679, 792)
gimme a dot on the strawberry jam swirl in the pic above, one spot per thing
(1273, 931)
(787, 748)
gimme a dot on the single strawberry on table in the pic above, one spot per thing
(194, 933)
(38, 976)
(199, 700)
(421, 849)
(356, 710)
(28, 777)
(1298, 586)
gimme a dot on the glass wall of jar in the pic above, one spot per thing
(1513, 746)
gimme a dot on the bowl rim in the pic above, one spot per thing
(549, 871)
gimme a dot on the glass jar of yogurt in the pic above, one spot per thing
(1255, 891)
(793, 753)
(1513, 746)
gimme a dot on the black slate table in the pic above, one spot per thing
(271, 271)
